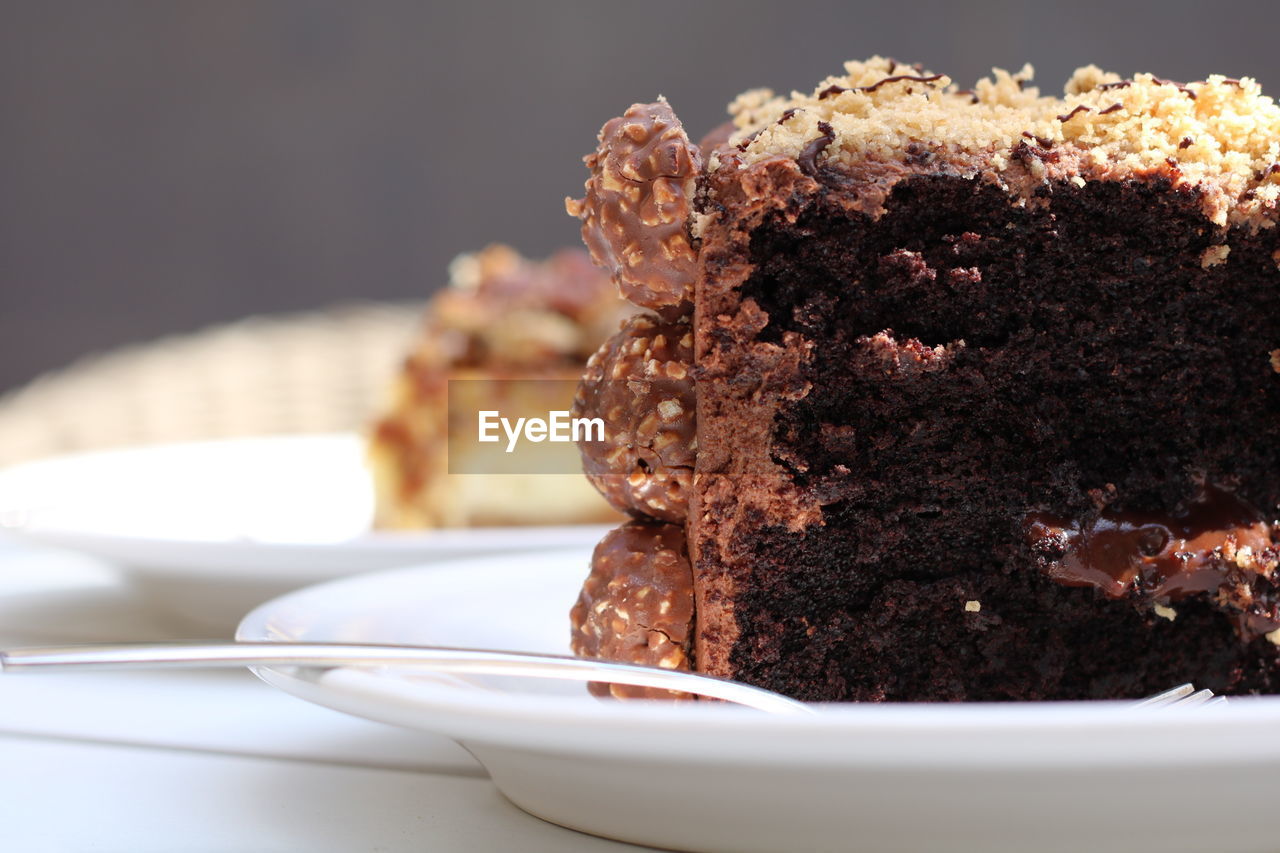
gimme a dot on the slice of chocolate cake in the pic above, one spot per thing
(987, 404)
(512, 328)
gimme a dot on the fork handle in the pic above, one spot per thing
(434, 658)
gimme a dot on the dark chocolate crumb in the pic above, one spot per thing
(892, 600)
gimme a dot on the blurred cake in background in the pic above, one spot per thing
(508, 321)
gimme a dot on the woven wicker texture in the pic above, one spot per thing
(325, 371)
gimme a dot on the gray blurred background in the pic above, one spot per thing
(167, 165)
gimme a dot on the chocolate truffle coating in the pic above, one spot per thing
(637, 604)
(640, 384)
(639, 198)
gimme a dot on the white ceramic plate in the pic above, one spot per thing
(1014, 777)
(214, 528)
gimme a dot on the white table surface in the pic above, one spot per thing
(212, 761)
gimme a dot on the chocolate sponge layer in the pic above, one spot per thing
(931, 377)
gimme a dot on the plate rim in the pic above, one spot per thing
(562, 722)
(309, 560)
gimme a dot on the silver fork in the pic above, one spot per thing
(1183, 696)
(429, 658)
(442, 659)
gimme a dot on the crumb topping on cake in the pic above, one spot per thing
(1221, 135)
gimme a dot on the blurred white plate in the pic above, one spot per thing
(214, 528)
(1013, 777)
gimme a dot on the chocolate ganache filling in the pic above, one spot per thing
(1210, 543)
